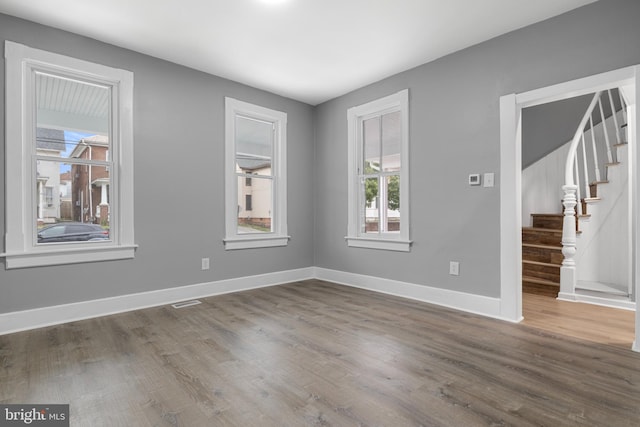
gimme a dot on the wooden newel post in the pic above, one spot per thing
(568, 277)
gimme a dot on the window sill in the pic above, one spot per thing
(41, 258)
(383, 244)
(250, 242)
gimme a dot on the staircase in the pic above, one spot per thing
(542, 255)
(542, 243)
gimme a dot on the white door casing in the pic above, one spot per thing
(627, 79)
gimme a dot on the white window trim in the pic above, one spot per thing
(356, 115)
(20, 237)
(279, 237)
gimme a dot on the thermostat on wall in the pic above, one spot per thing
(474, 179)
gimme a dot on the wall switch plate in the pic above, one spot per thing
(454, 268)
(205, 263)
(488, 179)
(474, 179)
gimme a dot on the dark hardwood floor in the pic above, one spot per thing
(318, 354)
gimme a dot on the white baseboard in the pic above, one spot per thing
(590, 299)
(47, 316)
(477, 304)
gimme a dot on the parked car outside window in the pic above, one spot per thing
(72, 232)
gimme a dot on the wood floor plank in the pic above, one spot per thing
(314, 353)
(595, 323)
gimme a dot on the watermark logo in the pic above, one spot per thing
(34, 415)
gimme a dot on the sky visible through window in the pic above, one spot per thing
(71, 139)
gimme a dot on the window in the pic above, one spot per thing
(48, 196)
(379, 174)
(255, 172)
(69, 141)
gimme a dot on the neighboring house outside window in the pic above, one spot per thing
(49, 142)
(378, 139)
(63, 116)
(91, 204)
(255, 176)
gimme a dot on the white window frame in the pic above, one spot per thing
(393, 241)
(278, 237)
(21, 248)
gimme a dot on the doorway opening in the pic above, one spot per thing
(511, 107)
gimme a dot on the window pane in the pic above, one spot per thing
(391, 141)
(254, 146)
(66, 112)
(371, 146)
(72, 123)
(392, 213)
(79, 193)
(255, 205)
(371, 213)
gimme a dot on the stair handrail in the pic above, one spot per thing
(568, 274)
(568, 176)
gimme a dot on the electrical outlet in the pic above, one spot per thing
(454, 268)
(205, 263)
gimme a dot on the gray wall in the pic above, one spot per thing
(548, 126)
(454, 131)
(179, 186)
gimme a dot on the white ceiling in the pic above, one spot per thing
(309, 50)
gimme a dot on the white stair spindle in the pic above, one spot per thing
(615, 118)
(578, 205)
(595, 151)
(606, 133)
(623, 104)
(585, 169)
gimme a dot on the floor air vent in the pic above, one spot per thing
(184, 304)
